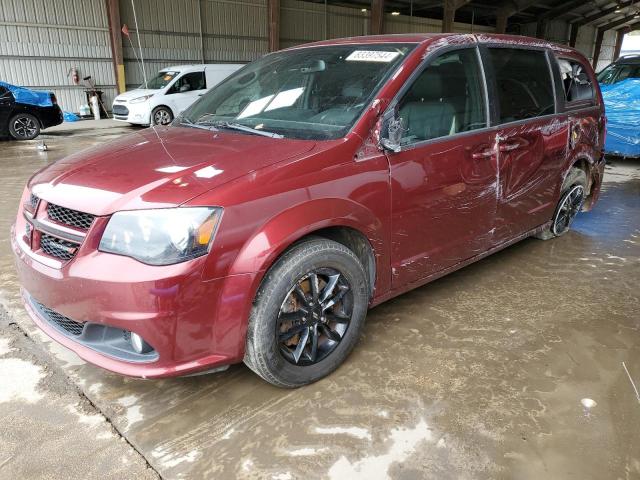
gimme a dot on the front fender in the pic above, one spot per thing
(278, 233)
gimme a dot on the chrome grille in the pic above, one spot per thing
(56, 247)
(33, 201)
(58, 320)
(66, 216)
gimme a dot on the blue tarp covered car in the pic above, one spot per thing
(24, 112)
(622, 108)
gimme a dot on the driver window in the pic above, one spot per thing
(445, 99)
(523, 80)
(189, 82)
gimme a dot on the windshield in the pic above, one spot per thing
(161, 80)
(615, 73)
(311, 93)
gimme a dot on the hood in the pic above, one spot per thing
(138, 92)
(157, 167)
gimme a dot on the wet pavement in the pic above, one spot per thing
(509, 368)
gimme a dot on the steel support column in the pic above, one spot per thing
(115, 40)
(619, 38)
(598, 47)
(448, 17)
(273, 7)
(377, 17)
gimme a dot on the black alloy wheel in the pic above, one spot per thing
(307, 314)
(314, 316)
(567, 210)
(24, 126)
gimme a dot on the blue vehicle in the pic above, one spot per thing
(620, 85)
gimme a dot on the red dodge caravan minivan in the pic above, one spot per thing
(310, 185)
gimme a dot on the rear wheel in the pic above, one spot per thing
(308, 314)
(24, 126)
(571, 200)
(161, 116)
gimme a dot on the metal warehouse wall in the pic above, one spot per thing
(41, 40)
(306, 22)
(193, 31)
(558, 31)
(404, 23)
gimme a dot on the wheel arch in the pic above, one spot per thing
(162, 105)
(586, 163)
(343, 221)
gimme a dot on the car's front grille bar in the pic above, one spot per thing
(59, 233)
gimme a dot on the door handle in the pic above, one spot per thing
(489, 152)
(508, 147)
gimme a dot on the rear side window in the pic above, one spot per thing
(523, 82)
(3, 92)
(446, 98)
(575, 80)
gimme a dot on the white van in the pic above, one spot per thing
(169, 92)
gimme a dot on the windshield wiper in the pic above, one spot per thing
(244, 128)
(185, 121)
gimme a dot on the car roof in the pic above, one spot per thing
(443, 38)
(631, 59)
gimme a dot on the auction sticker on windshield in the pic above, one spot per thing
(371, 56)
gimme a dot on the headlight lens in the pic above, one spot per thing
(163, 236)
(144, 98)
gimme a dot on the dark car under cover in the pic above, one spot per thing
(24, 112)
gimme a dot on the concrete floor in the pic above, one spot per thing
(509, 368)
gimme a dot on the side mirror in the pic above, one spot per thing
(392, 135)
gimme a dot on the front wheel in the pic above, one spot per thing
(161, 116)
(24, 126)
(308, 314)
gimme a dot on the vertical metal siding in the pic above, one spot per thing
(40, 41)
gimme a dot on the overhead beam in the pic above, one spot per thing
(508, 9)
(377, 17)
(600, 35)
(575, 26)
(115, 41)
(602, 13)
(273, 11)
(616, 23)
(562, 9)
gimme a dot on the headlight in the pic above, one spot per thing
(163, 236)
(144, 98)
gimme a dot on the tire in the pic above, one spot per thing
(286, 292)
(161, 116)
(575, 178)
(24, 126)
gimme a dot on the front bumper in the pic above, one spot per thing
(137, 113)
(193, 325)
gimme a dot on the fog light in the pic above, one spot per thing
(139, 345)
